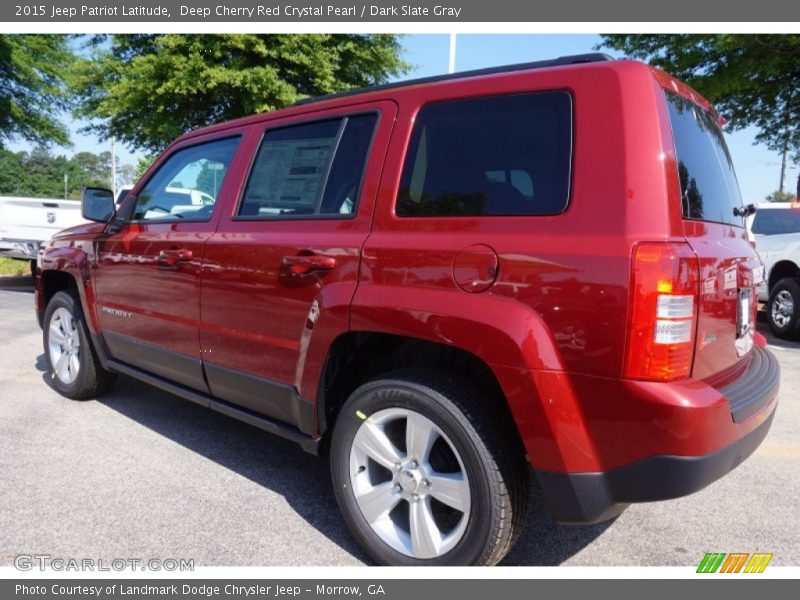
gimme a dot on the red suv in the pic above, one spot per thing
(440, 282)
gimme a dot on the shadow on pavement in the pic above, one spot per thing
(764, 330)
(267, 460)
(300, 478)
(22, 283)
(544, 542)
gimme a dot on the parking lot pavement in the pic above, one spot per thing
(142, 474)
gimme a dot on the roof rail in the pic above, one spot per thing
(541, 64)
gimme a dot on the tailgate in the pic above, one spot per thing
(729, 270)
(37, 219)
(714, 227)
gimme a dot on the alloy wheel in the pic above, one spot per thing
(64, 345)
(410, 483)
(782, 308)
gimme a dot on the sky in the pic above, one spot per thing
(757, 167)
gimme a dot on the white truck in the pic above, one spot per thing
(776, 230)
(25, 223)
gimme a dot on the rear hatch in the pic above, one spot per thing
(729, 266)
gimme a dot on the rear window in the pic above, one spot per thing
(776, 221)
(503, 155)
(709, 187)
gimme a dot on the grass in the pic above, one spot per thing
(11, 267)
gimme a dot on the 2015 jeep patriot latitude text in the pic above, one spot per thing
(439, 282)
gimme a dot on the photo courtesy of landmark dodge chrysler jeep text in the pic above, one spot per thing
(440, 284)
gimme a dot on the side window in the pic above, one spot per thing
(344, 180)
(309, 169)
(502, 155)
(185, 187)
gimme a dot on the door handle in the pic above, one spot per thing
(174, 256)
(303, 263)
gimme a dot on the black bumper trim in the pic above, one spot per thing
(597, 497)
(756, 388)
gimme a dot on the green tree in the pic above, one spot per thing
(751, 79)
(33, 87)
(142, 164)
(46, 173)
(40, 174)
(210, 177)
(148, 89)
(13, 178)
(779, 196)
(125, 175)
(91, 166)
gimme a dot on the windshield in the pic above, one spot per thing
(776, 221)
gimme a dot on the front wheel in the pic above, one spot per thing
(73, 367)
(428, 472)
(783, 309)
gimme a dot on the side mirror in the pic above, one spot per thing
(97, 204)
(745, 211)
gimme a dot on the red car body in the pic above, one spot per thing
(544, 303)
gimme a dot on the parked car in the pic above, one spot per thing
(776, 230)
(26, 223)
(441, 284)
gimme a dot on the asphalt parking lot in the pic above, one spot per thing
(142, 474)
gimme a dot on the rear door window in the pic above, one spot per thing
(502, 155)
(709, 189)
(776, 221)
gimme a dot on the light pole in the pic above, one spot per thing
(114, 166)
(452, 66)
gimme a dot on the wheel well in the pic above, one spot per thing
(357, 357)
(782, 270)
(54, 282)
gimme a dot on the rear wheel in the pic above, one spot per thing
(783, 309)
(73, 367)
(426, 472)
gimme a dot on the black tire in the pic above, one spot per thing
(92, 379)
(790, 329)
(486, 442)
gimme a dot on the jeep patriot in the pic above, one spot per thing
(442, 284)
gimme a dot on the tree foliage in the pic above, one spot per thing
(751, 79)
(142, 164)
(779, 196)
(40, 174)
(148, 89)
(33, 87)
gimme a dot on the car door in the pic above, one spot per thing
(282, 267)
(147, 270)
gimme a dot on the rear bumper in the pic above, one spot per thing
(21, 249)
(743, 415)
(597, 497)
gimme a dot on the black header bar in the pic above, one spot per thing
(443, 11)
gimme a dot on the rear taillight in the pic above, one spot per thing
(663, 312)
